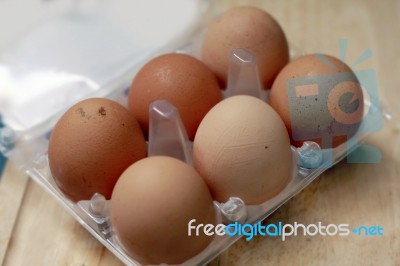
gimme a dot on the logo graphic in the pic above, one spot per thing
(281, 230)
(337, 105)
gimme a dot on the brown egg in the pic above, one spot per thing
(91, 145)
(182, 80)
(242, 149)
(151, 206)
(326, 100)
(252, 29)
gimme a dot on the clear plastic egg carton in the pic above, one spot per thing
(28, 148)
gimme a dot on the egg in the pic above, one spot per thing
(182, 80)
(252, 29)
(242, 149)
(91, 146)
(319, 99)
(151, 206)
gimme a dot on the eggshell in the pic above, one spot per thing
(242, 149)
(249, 28)
(182, 80)
(91, 145)
(324, 79)
(151, 206)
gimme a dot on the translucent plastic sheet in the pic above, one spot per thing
(62, 51)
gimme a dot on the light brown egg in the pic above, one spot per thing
(182, 80)
(326, 100)
(249, 28)
(151, 206)
(242, 149)
(91, 145)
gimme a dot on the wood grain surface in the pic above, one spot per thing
(35, 230)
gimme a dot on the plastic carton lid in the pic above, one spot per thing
(53, 53)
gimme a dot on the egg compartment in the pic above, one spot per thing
(28, 149)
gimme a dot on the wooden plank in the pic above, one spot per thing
(47, 235)
(12, 188)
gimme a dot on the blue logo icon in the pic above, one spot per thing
(337, 105)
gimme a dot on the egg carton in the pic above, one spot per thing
(167, 136)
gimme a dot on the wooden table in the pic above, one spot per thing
(36, 231)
